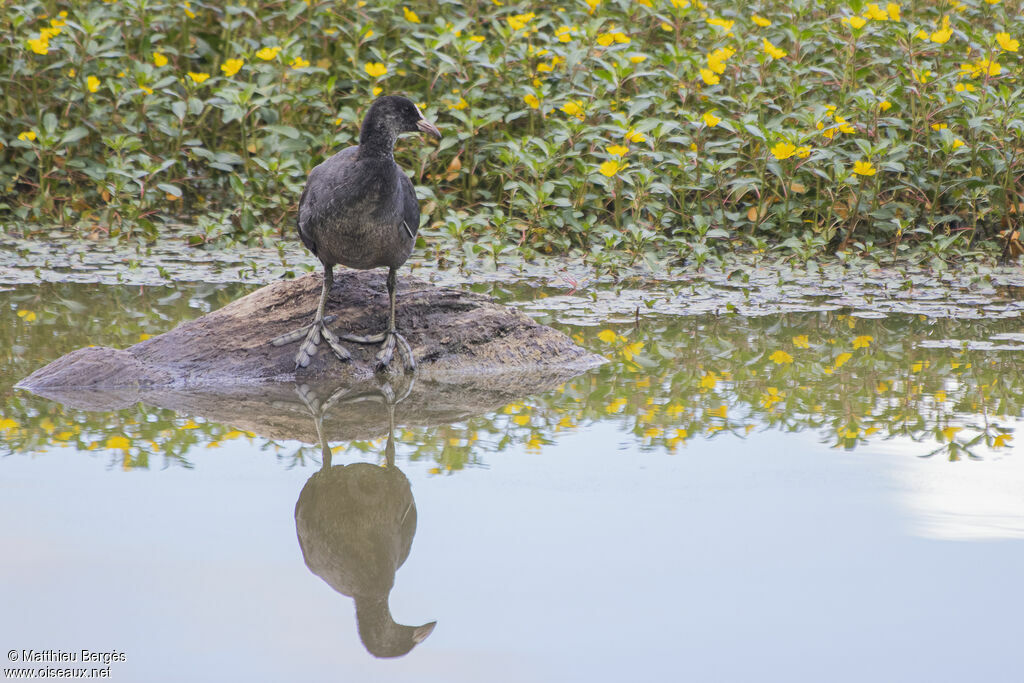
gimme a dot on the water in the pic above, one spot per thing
(799, 496)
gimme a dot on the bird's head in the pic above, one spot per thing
(398, 115)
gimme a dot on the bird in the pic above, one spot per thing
(359, 209)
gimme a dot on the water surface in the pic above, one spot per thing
(799, 496)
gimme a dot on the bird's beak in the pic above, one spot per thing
(420, 633)
(429, 128)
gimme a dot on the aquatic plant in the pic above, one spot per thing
(609, 127)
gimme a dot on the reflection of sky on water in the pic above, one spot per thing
(770, 558)
(966, 500)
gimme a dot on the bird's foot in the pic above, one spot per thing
(313, 333)
(387, 352)
(391, 339)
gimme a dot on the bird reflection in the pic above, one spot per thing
(355, 525)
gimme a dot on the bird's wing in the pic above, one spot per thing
(410, 205)
(322, 184)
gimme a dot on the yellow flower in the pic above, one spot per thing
(885, 105)
(477, 39)
(27, 135)
(198, 77)
(592, 4)
(519, 21)
(544, 67)
(378, 90)
(410, 15)
(709, 77)
(188, 10)
(848, 432)
(957, 143)
(855, 22)
(863, 341)
(771, 397)
(461, 104)
(949, 432)
(1001, 440)
(607, 336)
(231, 66)
(865, 168)
(803, 151)
(92, 83)
(268, 53)
(873, 11)
(119, 442)
(27, 316)
(771, 50)
(146, 89)
(941, 36)
(801, 342)
(780, 357)
(1007, 43)
(842, 358)
(40, 46)
(721, 411)
(159, 59)
(375, 69)
(633, 136)
(299, 63)
(617, 150)
(574, 108)
(532, 100)
(725, 24)
(783, 150)
(760, 21)
(921, 76)
(630, 350)
(665, 26)
(709, 380)
(894, 11)
(717, 59)
(939, 126)
(615, 406)
(710, 119)
(990, 68)
(611, 168)
(636, 59)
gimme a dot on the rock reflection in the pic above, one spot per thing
(355, 524)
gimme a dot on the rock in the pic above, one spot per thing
(453, 335)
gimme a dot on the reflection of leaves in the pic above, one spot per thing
(669, 381)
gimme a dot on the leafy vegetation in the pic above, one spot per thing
(670, 380)
(608, 127)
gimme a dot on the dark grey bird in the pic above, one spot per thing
(359, 209)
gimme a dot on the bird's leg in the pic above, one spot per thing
(390, 337)
(393, 337)
(315, 330)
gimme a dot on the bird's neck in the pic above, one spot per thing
(376, 141)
